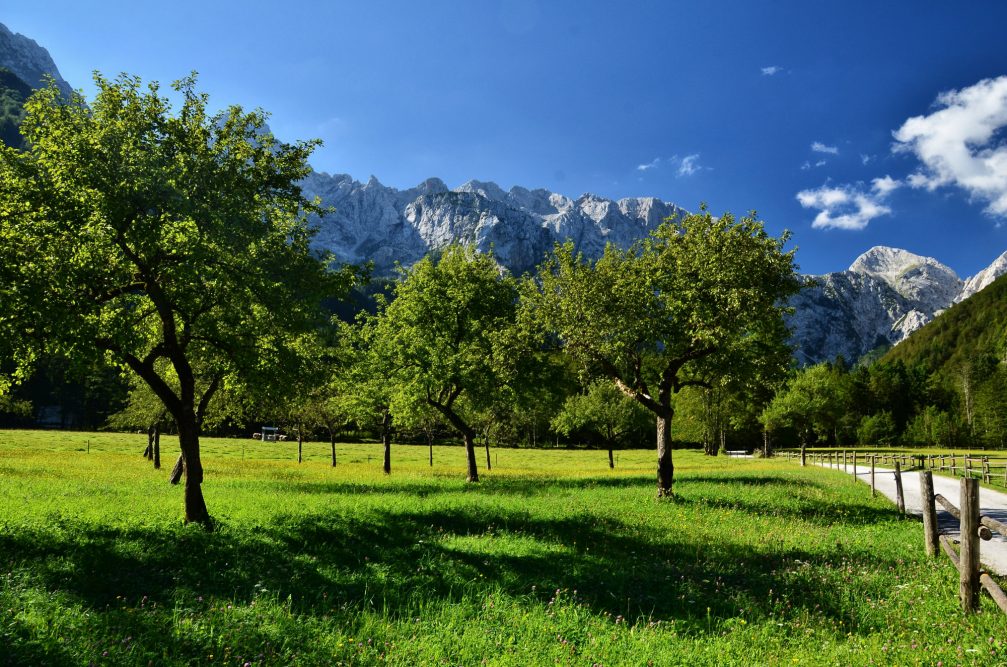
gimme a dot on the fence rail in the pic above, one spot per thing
(989, 469)
(974, 528)
(974, 525)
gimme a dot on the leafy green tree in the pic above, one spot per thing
(877, 430)
(174, 244)
(810, 404)
(446, 341)
(700, 298)
(604, 412)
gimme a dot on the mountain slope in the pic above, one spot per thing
(976, 325)
(885, 295)
(28, 61)
(13, 93)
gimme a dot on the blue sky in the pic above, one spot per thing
(850, 123)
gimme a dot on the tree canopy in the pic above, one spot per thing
(174, 243)
(445, 342)
(702, 297)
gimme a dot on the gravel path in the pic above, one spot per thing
(992, 503)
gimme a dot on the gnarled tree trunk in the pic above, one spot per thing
(665, 466)
(188, 440)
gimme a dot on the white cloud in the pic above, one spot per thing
(961, 143)
(821, 163)
(885, 185)
(819, 147)
(771, 70)
(805, 166)
(649, 165)
(864, 159)
(689, 165)
(847, 206)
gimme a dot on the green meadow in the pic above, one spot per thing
(552, 559)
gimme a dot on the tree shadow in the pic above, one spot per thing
(393, 560)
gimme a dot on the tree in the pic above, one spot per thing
(602, 411)
(175, 244)
(810, 404)
(700, 298)
(446, 341)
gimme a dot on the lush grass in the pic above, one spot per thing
(552, 559)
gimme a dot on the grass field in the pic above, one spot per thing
(552, 559)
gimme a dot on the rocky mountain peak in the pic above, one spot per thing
(983, 278)
(28, 61)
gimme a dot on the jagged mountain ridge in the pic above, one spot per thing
(384, 225)
(884, 296)
(29, 61)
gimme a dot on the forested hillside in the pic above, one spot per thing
(970, 329)
(13, 93)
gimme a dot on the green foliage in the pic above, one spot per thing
(447, 342)
(812, 404)
(146, 235)
(976, 326)
(549, 560)
(604, 413)
(13, 93)
(877, 430)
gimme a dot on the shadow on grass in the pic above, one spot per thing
(398, 561)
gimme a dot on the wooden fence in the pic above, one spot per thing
(974, 528)
(990, 470)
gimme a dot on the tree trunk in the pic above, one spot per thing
(489, 465)
(332, 445)
(611, 458)
(176, 473)
(300, 444)
(430, 446)
(665, 466)
(188, 439)
(470, 453)
(157, 446)
(386, 440)
(149, 452)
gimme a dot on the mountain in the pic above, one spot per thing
(23, 67)
(13, 93)
(28, 61)
(971, 328)
(372, 222)
(884, 296)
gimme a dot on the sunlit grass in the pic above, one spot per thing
(552, 558)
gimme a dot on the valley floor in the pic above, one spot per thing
(552, 559)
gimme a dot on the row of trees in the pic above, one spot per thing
(889, 403)
(176, 246)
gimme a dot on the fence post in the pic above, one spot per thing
(929, 512)
(854, 465)
(873, 492)
(900, 500)
(968, 575)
